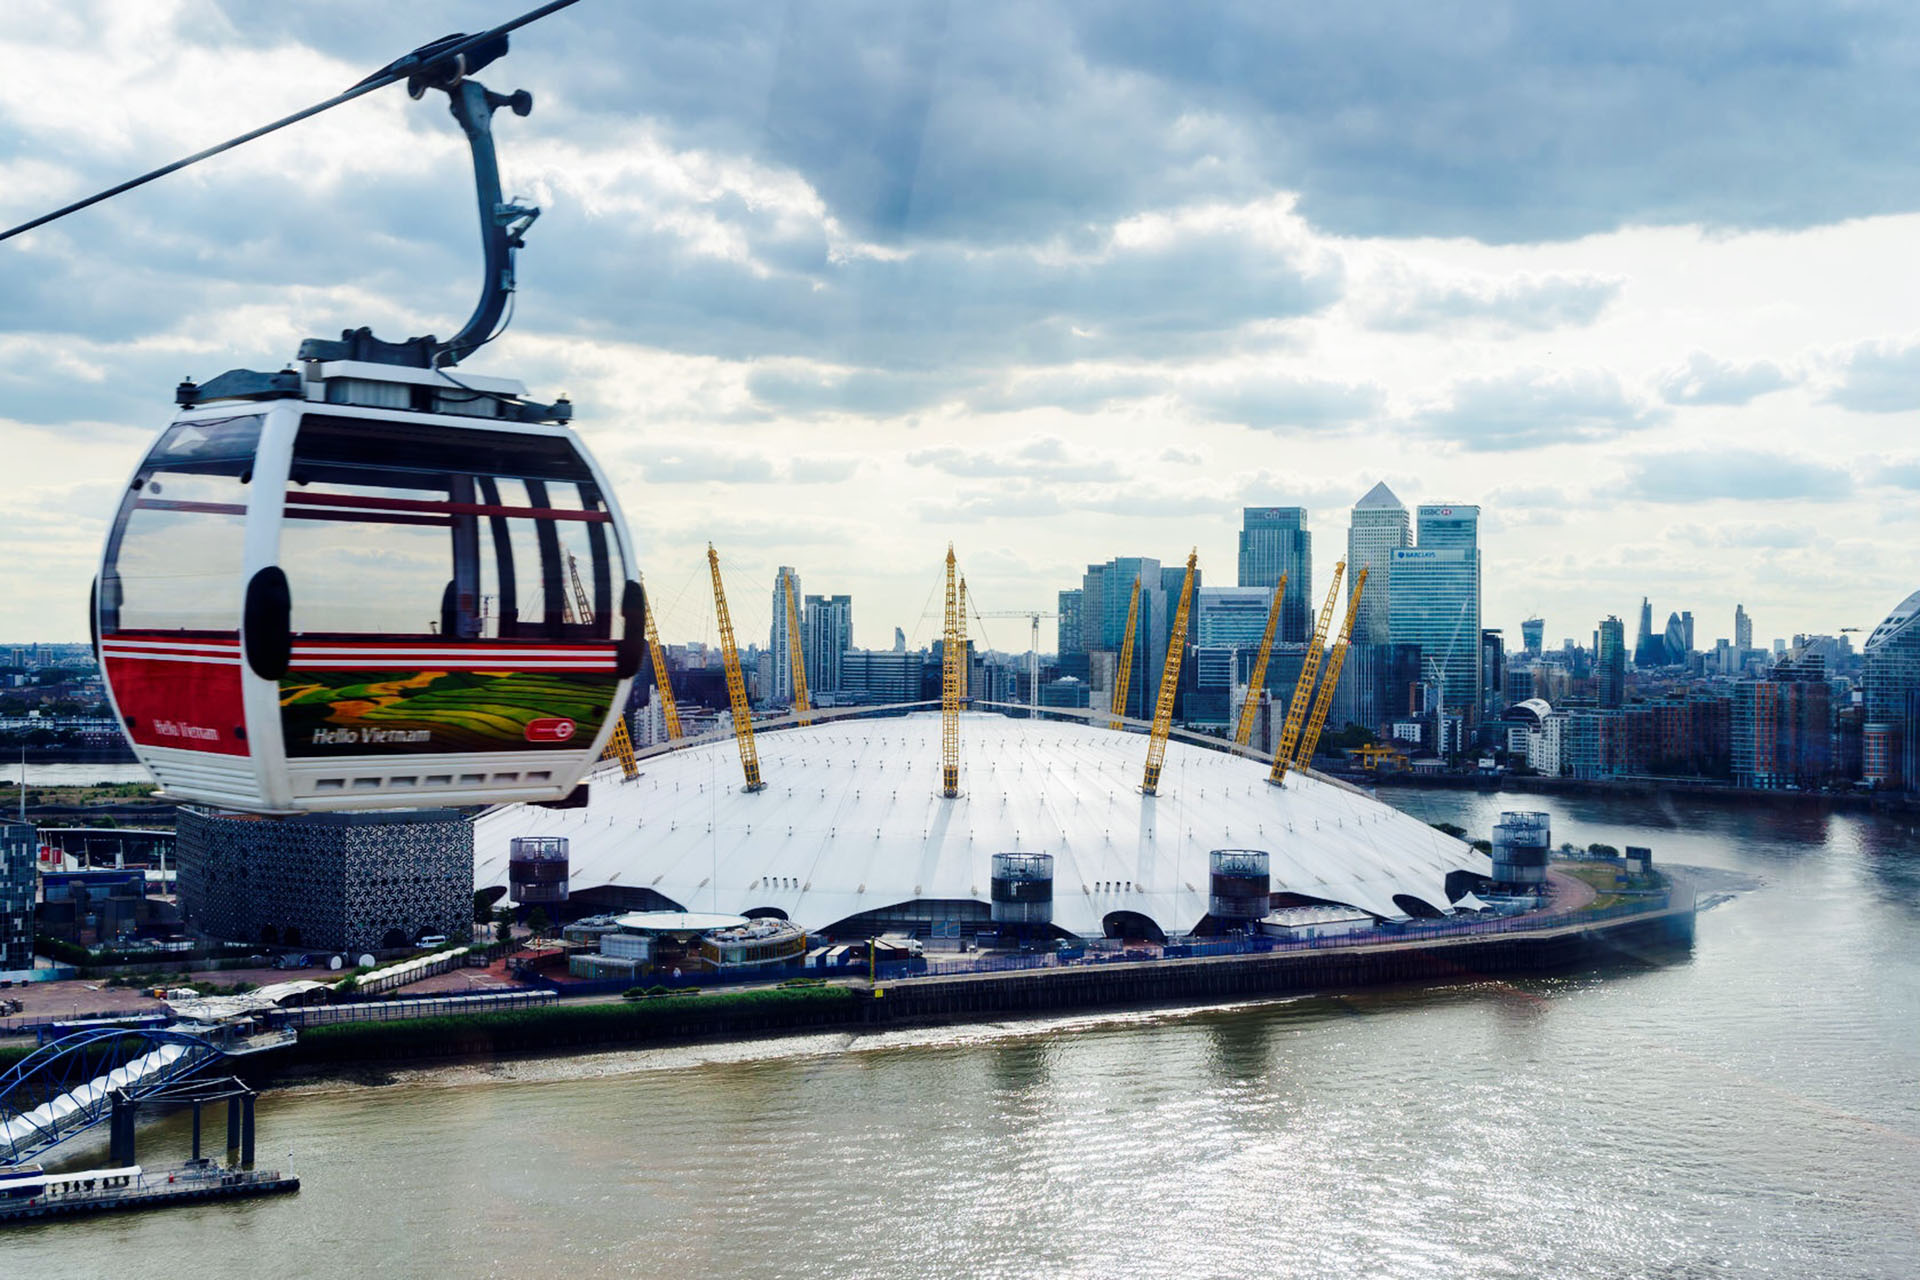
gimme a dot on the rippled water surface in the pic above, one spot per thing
(1751, 1111)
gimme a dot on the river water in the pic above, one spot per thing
(1751, 1111)
(72, 775)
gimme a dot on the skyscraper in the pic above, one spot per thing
(1235, 617)
(1649, 650)
(1674, 642)
(1071, 640)
(1612, 661)
(826, 633)
(1742, 628)
(1379, 528)
(1493, 673)
(1435, 602)
(1273, 541)
(1106, 591)
(779, 682)
(1533, 634)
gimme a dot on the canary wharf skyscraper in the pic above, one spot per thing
(1379, 528)
(1273, 541)
(1434, 602)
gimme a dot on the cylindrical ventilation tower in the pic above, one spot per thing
(537, 869)
(1022, 888)
(1520, 842)
(1241, 888)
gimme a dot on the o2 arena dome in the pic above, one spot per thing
(851, 837)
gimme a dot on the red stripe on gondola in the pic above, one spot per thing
(209, 508)
(362, 502)
(381, 644)
(395, 517)
(187, 702)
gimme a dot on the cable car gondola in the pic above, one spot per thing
(366, 583)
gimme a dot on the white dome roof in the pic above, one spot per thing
(850, 821)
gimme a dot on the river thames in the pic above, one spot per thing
(1751, 1111)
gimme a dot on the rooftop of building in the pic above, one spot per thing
(1902, 617)
(1378, 498)
(851, 821)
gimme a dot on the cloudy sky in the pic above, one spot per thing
(833, 284)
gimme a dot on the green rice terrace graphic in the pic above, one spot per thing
(349, 712)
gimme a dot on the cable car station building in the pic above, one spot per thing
(358, 882)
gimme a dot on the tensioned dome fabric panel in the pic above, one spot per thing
(850, 821)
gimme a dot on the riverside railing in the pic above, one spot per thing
(425, 1007)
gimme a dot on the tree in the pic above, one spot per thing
(503, 926)
(482, 906)
(537, 921)
(1599, 850)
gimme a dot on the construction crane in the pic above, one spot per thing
(1373, 755)
(1124, 675)
(952, 677)
(1328, 683)
(1169, 683)
(795, 656)
(662, 687)
(736, 687)
(1303, 691)
(1258, 681)
(1033, 655)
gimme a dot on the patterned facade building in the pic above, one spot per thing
(332, 881)
(18, 846)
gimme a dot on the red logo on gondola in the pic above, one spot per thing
(549, 729)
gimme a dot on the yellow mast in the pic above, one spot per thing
(795, 656)
(620, 747)
(662, 687)
(1304, 756)
(1124, 675)
(1258, 681)
(736, 687)
(951, 683)
(1303, 691)
(1169, 682)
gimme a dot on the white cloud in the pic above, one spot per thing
(1037, 278)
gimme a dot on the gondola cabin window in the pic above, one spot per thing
(174, 559)
(429, 533)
